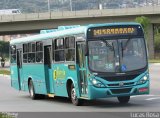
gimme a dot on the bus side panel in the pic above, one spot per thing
(14, 77)
(74, 75)
(60, 80)
(37, 74)
(49, 79)
(61, 73)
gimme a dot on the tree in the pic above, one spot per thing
(145, 22)
(157, 42)
(4, 48)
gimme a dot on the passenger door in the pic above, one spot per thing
(48, 69)
(19, 67)
(82, 68)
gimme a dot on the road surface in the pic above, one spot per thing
(14, 101)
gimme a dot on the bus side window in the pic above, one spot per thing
(25, 53)
(70, 49)
(59, 50)
(13, 54)
(31, 52)
(39, 52)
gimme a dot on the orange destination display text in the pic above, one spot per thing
(111, 31)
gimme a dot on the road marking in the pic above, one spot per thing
(143, 96)
(153, 98)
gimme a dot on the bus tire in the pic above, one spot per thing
(123, 99)
(32, 90)
(74, 99)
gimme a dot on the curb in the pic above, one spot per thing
(156, 64)
(7, 76)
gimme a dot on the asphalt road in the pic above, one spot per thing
(12, 100)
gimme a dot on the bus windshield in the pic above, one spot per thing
(133, 54)
(118, 55)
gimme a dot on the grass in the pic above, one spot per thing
(154, 61)
(5, 115)
(5, 72)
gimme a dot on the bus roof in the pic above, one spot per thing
(64, 32)
(59, 33)
(113, 24)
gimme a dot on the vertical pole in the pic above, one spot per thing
(48, 5)
(71, 5)
(150, 41)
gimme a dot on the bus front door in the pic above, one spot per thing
(81, 59)
(19, 67)
(48, 69)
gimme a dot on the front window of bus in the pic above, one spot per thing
(117, 55)
(133, 53)
(102, 55)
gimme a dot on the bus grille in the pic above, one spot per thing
(120, 78)
(117, 85)
(119, 91)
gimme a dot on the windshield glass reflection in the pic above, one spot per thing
(121, 55)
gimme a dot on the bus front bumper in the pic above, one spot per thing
(95, 92)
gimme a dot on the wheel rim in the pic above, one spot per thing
(73, 94)
(31, 90)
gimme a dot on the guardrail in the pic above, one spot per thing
(80, 14)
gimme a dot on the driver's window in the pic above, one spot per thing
(102, 55)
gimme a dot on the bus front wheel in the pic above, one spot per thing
(74, 98)
(124, 99)
(31, 90)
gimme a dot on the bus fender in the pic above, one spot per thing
(30, 78)
(74, 83)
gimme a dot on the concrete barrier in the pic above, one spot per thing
(46, 15)
(83, 13)
(32, 16)
(20, 17)
(7, 18)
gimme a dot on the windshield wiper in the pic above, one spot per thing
(111, 47)
(126, 44)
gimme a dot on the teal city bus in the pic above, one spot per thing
(82, 62)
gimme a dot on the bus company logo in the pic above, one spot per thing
(59, 74)
(121, 84)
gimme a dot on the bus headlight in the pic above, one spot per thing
(143, 80)
(97, 83)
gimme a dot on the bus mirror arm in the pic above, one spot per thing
(86, 51)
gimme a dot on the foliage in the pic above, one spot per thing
(5, 115)
(5, 72)
(144, 21)
(154, 61)
(157, 42)
(4, 48)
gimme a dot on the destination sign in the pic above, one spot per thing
(111, 31)
(114, 31)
